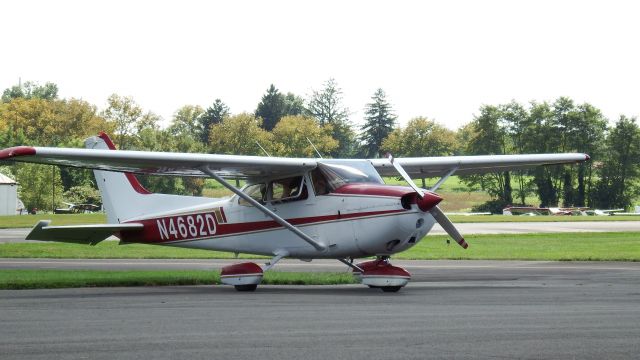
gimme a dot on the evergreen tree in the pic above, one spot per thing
(213, 115)
(379, 123)
(271, 108)
(293, 104)
(326, 107)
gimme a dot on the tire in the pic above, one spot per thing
(250, 287)
(390, 288)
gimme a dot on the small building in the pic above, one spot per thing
(8, 196)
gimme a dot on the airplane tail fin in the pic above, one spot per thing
(123, 197)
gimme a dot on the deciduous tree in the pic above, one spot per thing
(31, 90)
(291, 134)
(620, 170)
(238, 135)
(124, 112)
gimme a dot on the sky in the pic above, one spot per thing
(438, 59)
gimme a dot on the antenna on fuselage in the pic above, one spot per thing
(314, 148)
(265, 151)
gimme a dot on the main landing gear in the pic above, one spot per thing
(247, 276)
(244, 276)
(377, 274)
(380, 274)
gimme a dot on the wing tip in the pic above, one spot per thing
(16, 151)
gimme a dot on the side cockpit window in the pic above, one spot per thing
(288, 189)
(276, 191)
(320, 182)
(257, 191)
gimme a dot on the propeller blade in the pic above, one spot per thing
(430, 204)
(406, 176)
(448, 226)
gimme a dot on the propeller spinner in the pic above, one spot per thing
(429, 202)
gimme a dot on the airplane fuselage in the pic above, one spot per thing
(351, 225)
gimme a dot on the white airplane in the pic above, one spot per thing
(301, 208)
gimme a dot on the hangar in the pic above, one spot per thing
(8, 195)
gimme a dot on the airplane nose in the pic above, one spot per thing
(428, 201)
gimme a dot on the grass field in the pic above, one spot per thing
(28, 221)
(559, 247)
(39, 279)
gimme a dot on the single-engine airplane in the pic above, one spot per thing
(302, 208)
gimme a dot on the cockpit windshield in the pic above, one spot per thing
(331, 175)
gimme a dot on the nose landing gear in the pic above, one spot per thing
(380, 274)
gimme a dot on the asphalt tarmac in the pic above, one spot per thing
(451, 309)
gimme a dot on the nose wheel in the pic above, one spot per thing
(380, 274)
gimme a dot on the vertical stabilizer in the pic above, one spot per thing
(123, 197)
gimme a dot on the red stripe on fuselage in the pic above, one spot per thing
(160, 230)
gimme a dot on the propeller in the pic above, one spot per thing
(429, 202)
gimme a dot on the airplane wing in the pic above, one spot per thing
(237, 166)
(467, 165)
(159, 163)
(79, 234)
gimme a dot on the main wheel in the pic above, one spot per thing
(250, 287)
(390, 288)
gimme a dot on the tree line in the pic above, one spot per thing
(285, 124)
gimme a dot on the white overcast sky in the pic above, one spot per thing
(439, 59)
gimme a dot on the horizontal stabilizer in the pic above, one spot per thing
(80, 234)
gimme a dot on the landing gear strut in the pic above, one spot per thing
(380, 274)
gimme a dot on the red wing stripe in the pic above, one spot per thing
(16, 151)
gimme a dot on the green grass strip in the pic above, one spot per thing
(109, 250)
(546, 218)
(620, 246)
(50, 279)
(28, 221)
(551, 247)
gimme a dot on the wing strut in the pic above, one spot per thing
(318, 246)
(443, 179)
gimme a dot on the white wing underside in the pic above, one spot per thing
(236, 166)
(469, 165)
